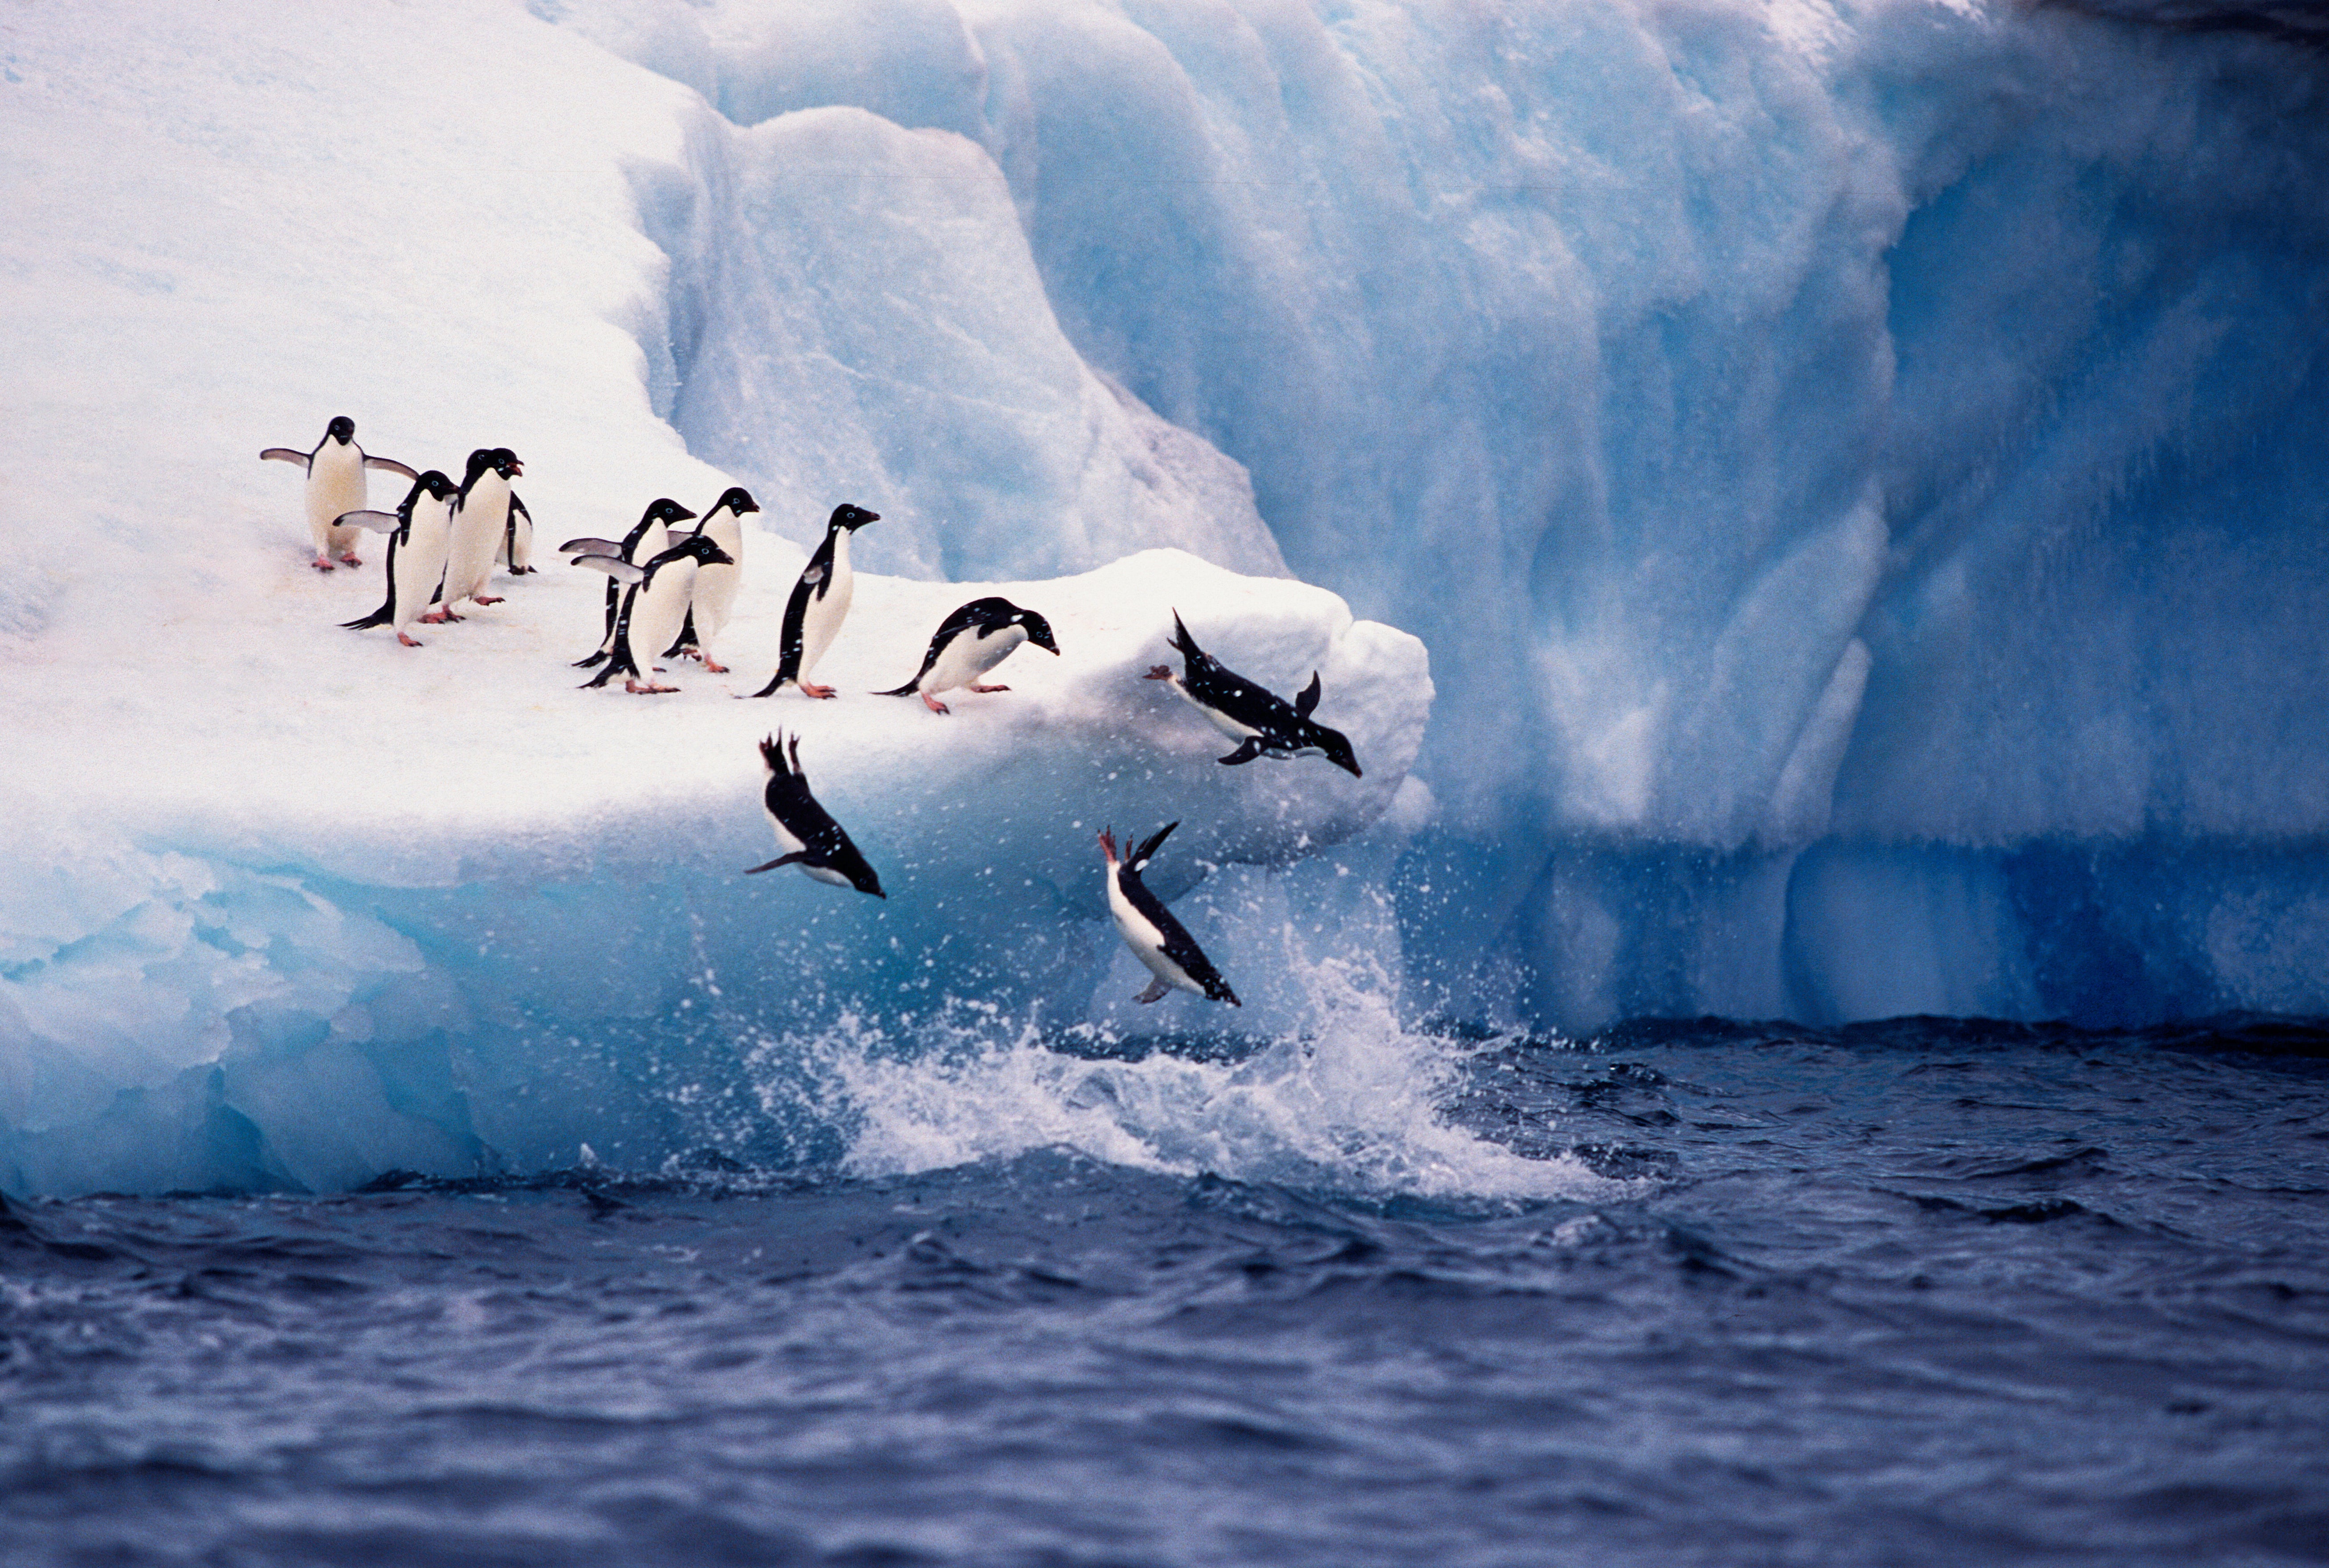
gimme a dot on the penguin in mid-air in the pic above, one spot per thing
(481, 520)
(648, 538)
(820, 600)
(336, 486)
(1149, 928)
(805, 832)
(1258, 721)
(969, 642)
(417, 530)
(715, 586)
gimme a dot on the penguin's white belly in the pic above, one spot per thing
(822, 621)
(715, 586)
(420, 560)
(1219, 720)
(658, 612)
(1148, 942)
(476, 529)
(335, 485)
(715, 592)
(969, 656)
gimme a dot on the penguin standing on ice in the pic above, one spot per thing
(1261, 723)
(819, 602)
(1149, 928)
(715, 586)
(648, 538)
(969, 642)
(805, 832)
(336, 486)
(481, 518)
(653, 608)
(417, 532)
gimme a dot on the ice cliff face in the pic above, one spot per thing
(1856, 465)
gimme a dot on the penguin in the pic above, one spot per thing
(806, 833)
(652, 609)
(819, 602)
(417, 530)
(1149, 928)
(969, 642)
(715, 586)
(516, 550)
(335, 485)
(648, 538)
(1259, 722)
(481, 518)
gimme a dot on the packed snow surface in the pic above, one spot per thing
(1854, 467)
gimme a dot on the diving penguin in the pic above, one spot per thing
(1258, 721)
(336, 486)
(715, 586)
(1149, 928)
(969, 642)
(417, 530)
(805, 832)
(648, 538)
(652, 609)
(481, 520)
(819, 601)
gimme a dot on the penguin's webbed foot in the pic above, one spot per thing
(323, 563)
(809, 690)
(1158, 672)
(408, 642)
(710, 666)
(484, 600)
(649, 689)
(352, 559)
(437, 617)
(975, 687)
(933, 704)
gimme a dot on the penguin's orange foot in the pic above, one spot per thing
(438, 617)
(1158, 672)
(407, 641)
(933, 704)
(323, 563)
(483, 599)
(809, 690)
(353, 558)
(649, 689)
(709, 665)
(977, 687)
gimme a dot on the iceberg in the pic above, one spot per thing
(1840, 478)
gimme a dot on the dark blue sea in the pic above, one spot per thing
(1925, 1292)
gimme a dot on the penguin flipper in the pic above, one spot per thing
(1155, 991)
(615, 567)
(378, 521)
(1308, 697)
(283, 455)
(779, 860)
(589, 545)
(389, 465)
(1248, 749)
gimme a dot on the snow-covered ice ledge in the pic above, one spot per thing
(441, 909)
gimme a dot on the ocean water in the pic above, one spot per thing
(1920, 1292)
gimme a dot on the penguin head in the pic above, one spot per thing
(434, 484)
(1337, 747)
(505, 464)
(851, 518)
(479, 461)
(1039, 630)
(701, 547)
(666, 510)
(736, 499)
(342, 429)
